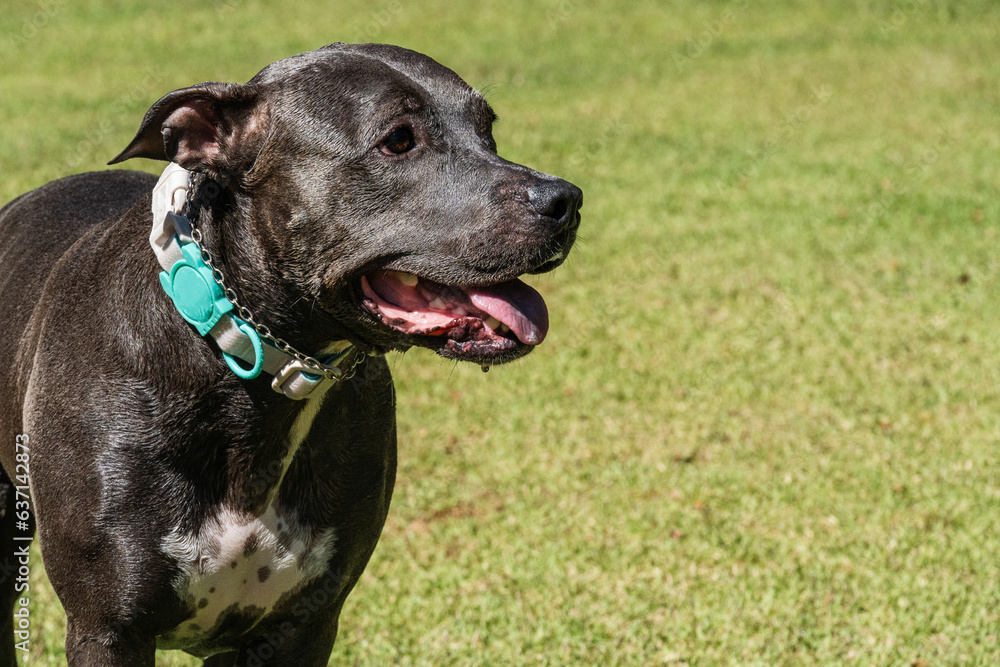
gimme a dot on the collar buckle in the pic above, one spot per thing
(297, 380)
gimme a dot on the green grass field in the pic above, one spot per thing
(764, 428)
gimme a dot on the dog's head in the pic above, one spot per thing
(374, 184)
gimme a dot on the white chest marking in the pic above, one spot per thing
(238, 563)
(243, 565)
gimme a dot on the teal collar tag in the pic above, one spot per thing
(197, 297)
(201, 301)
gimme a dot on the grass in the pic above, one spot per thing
(763, 430)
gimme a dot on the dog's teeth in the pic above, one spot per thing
(407, 279)
(493, 323)
(459, 310)
(438, 303)
(503, 328)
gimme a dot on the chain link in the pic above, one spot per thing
(330, 372)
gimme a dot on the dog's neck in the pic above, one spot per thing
(214, 272)
(264, 429)
(236, 233)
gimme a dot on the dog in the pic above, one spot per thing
(209, 422)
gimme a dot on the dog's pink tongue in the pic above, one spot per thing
(517, 305)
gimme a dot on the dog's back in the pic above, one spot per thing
(37, 228)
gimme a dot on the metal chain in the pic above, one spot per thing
(330, 372)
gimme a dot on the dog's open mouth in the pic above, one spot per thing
(483, 324)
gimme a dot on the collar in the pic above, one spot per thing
(199, 293)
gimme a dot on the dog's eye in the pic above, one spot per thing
(398, 142)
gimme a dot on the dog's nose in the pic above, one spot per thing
(557, 200)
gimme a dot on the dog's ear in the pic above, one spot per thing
(211, 127)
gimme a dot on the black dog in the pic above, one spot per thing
(350, 201)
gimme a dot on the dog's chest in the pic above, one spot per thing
(236, 569)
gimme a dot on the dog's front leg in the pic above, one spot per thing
(106, 648)
(305, 646)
